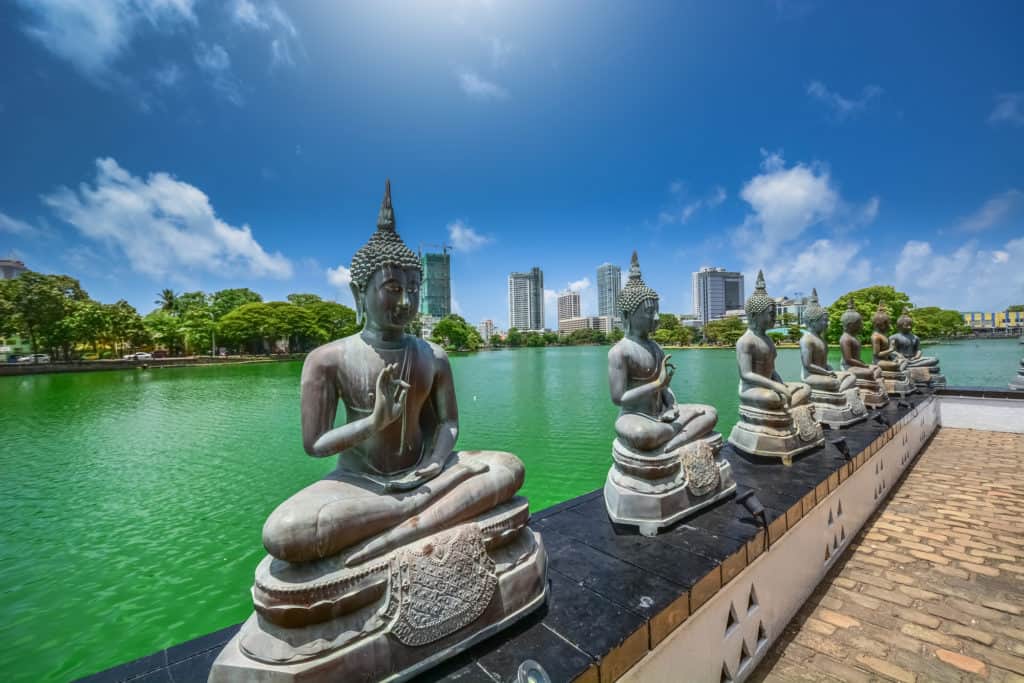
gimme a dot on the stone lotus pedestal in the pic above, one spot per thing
(926, 378)
(782, 434)
(838, 409)
(897, 382)
(656, 489)
(391, 617)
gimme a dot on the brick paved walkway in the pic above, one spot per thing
(933, 587)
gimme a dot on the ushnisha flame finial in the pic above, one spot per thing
(384, 248)
(759, 301)
(636, 290)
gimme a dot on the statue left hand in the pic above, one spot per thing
(670, 415)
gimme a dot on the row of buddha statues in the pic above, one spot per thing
(410, 551)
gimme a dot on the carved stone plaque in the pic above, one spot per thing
(805, 424)
(855, 402)
(701, 470)
(440, 586)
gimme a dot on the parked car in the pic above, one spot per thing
(140, 355)
(35, 358)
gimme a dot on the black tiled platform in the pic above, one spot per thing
(613, 593)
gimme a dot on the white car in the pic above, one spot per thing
(141, 355)
(35, 358)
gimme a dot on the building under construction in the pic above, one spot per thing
(436, 289)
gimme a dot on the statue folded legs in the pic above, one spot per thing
(777, 418)
(869, 377)
(924, 370)
(837, 401)
(886, 357)
(665, 455)
(409, 551)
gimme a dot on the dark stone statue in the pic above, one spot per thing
(776, 417)
(923, 370)
(836, 399)
(869, 377)
(409, 551)
(892, 364)
(666, 463)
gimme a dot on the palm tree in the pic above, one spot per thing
(167, 300)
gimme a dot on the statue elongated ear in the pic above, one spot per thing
(357, 296)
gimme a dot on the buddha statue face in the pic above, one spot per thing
(818, 325)
(644, 319)
(764, 320)
(391, 297)
(904, 324)
(854, 326)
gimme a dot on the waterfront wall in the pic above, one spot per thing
(18, 369)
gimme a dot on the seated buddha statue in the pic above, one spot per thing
(1017, 383)
(665, 454)
(776, 417)
(836, 400)
(408, 547)
(924, 370)
(886, 357)
(869, 377)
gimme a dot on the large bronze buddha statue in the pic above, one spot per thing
(776, 417)
(836, 399)
(924, 370)
(409, 551)
(869, 377)
(886, 357)
(665, 454)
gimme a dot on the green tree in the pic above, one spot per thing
(336, 320)
(534, 339)
(514, 338)
(126, 327)
(41, 306)
(1015, 308)
(932, 322)
(668, 321)
(794, 333)
(866, 301)
(496, 341)
(167, 300)
(725, 332)
(89, 323)
(455, 334)
(165, 330)
(777, 337)
(303, 299)
(227, 300)
(551, 338)
(616, 335)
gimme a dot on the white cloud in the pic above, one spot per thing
(826, 264)
(163, 226)
(464, 238)
(339, 277)
(842, 107)
(268, 17)
(579, 285)
(1009, 109)
(93, 35)
(678, 189)
(168, 75)
(787, 201)
(215, 62)
(994, 210)
(477, 87)
(500, 51)
(966, 278)
(13, 226)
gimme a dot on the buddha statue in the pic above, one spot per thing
(869, 377)
(924, 370)
(836, 400)
(885, 356)
(1017, 383)
(409, 551)
(776, 417)
(666, 462)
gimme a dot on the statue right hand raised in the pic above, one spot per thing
(665, 373)
(389, 402)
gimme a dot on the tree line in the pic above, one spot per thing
(53, 313)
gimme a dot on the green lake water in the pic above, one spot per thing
(133, 501)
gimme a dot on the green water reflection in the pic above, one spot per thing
(133, 501)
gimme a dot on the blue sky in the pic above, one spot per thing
(190, 144)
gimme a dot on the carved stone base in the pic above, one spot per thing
(700, 477)
(926, 378)
(873, 394)
(416, 607)
(777, 434)
(897, 383)
(838, 409)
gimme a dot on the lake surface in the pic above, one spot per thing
(133, 501)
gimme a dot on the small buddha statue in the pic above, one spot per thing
(836, 399)
(776, 417)
(408, 548)
(665, 455)
(886, 357)
(869, 377)
(1017, 383)
(923, 370)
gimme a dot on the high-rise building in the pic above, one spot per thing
(604, 323)
(526, 300)
(609, 285)
(436, 288)
(568, 305)
(715, 291)
(486, 329)
(10, 268)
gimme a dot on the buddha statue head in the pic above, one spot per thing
(851, 321)
(386, 275)
(881, 319)
(760, 307)
(638, 304)
(815, 316)
(905, 323)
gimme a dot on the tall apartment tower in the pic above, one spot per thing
(436, 288)
(526, 300)
(609, 284)
(715, 291)
(568, 305)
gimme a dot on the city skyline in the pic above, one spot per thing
(245, 144)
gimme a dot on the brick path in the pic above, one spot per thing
(932, 589)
